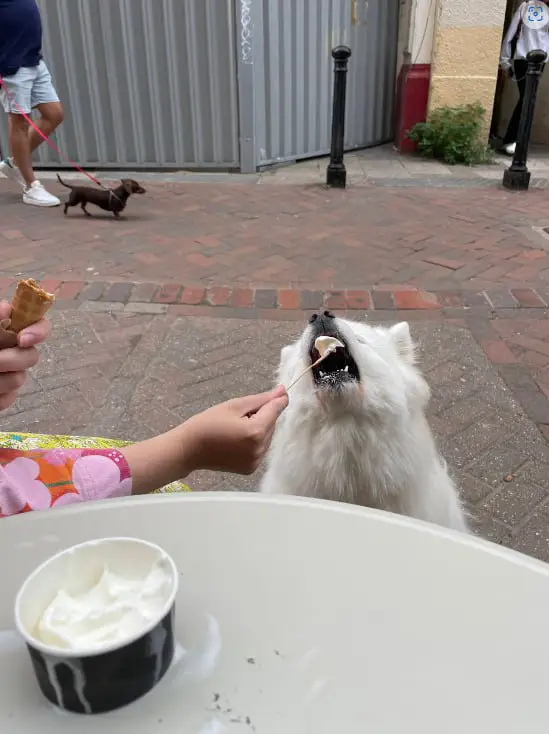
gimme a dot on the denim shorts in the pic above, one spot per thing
(29, 87)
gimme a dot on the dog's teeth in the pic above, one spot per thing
(346, 368)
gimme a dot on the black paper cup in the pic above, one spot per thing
(98, 679)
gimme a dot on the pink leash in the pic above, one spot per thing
(48, 141)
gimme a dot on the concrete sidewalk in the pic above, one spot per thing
(385, 166)
(381, 165)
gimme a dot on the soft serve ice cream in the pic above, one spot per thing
(325, 345)
(110, 611)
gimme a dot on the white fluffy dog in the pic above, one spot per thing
(355, 429)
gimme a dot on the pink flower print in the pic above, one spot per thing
(98, 477)
(116, 456)
(19, 487)
(59, 457)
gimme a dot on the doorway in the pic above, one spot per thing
(505, 94)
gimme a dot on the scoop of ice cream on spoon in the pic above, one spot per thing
(324, 345)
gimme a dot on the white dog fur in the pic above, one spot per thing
(367, 442)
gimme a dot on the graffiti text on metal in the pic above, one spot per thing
(246, 31)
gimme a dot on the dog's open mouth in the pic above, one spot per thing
(337, 369)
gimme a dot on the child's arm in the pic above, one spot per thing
(230, 437)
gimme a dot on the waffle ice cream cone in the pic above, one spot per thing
(30, 303)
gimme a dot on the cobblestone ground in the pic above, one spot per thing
(288, 237)
(134, 375)
(188, 301)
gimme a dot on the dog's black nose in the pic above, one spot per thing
(325, 315)
(323, 323)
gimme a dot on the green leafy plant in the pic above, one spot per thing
(453, 135)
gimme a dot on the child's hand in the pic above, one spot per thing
(15, 362)
(232, 437)
(235, 435)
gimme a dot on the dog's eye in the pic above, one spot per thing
(313, 318)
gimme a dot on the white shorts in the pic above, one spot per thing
(30, 87)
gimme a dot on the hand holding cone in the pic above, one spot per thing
(29, 305)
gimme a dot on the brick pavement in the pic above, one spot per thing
(512, 327)
(133, 375)
(289, 237)
(132, 352)
(381, 297)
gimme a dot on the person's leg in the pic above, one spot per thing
(16, 97)
(28, 89)
(20, 147)
(44, 98)
(520, 68)
(21, 165)
(51, 116)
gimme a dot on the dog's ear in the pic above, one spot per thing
(127, 184)
(402, 339)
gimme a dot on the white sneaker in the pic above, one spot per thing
(510, 148)
(37, 195)
(10, 170)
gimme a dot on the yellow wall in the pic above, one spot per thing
(467, 41)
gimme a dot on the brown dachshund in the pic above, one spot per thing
(111, 200)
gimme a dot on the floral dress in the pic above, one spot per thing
(42, 472)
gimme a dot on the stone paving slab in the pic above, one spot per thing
(134, 375)
(379, 162)
(385, 163)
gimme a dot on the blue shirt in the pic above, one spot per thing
(20, 35)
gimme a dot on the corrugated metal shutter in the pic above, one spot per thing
(145, 83)
(298, 73)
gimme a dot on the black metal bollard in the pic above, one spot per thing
(336, 173)
(517, 176)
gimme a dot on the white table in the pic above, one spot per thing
(307, 617)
